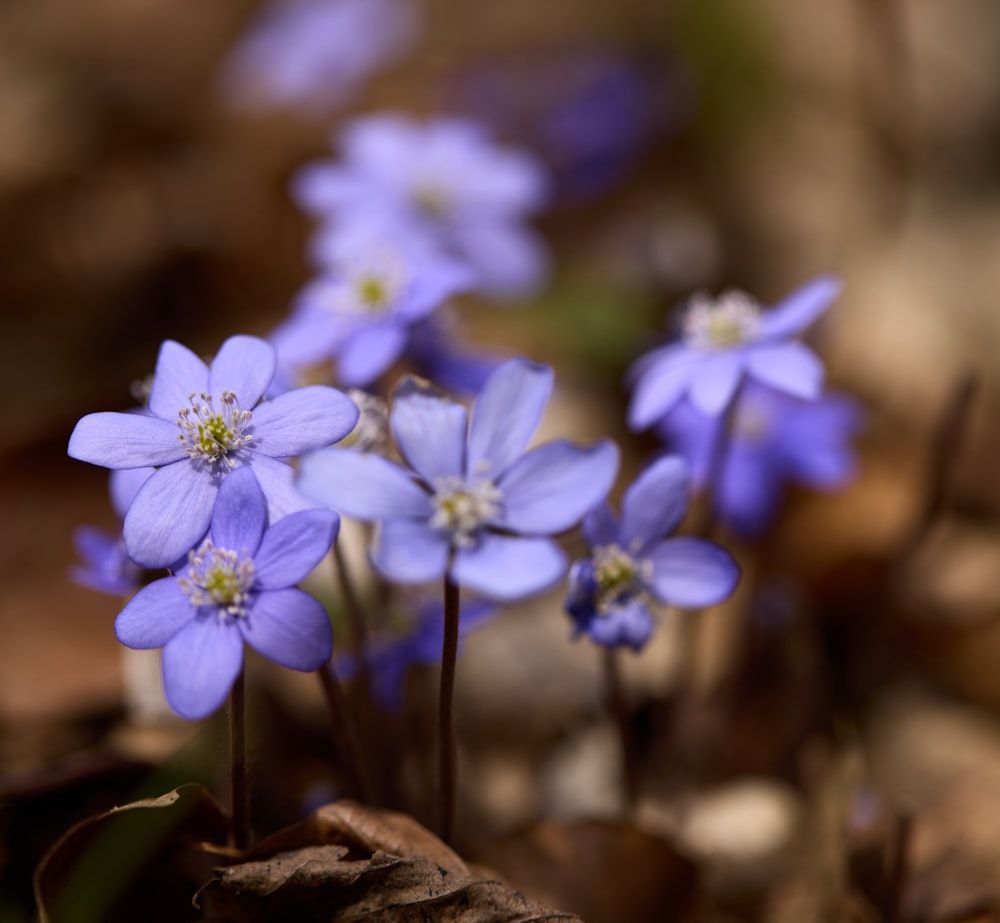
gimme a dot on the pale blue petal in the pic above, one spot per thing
(796, 312)
(692, 573)
(363, 486)
(510, 262)
(125, 440)
(277, 480)
(124, 485)
(506, 415)
(240, 513)
(438, 280)
(408, 551)
(179, 374)
(552, 487)
(154, 615)
(293, 546)
(715, 381)
(244, 365)
(656, 503)
(789, 367)
(506, 568)
(429, 430)
(660, 385)
(600, 526)
(290, 628)
(627, 625)
(200, 665)
(301, 420)
(368, 353)
(170, 514)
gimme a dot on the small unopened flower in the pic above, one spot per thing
(237, 585)
(726, 339)
(473, 504)
(632, 565)
(204, 423)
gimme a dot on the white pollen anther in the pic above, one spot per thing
(219, 577)
(212, 435)
(730, 320)
(463, 507)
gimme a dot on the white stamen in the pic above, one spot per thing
(219, 577)
(730, 320)
(462, 507)
(212, 435)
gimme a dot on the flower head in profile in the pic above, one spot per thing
(204, 422)
(361, 310)
(725, 340)
(237, 586)
(633, 564)
(774, 440)
(443, 183)
(472, 503)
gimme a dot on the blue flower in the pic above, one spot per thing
(315, 54)
(361, 310)
(202, 424)
(726, 339)
(435, 353)
(445, 184)
(237, 586)
(774, 439)
(632, 564)
(474, 504)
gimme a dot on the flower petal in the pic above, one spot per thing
(796, 312)
(789, 367)
(302, 420)
(600, 526)
(124, 485)
(293, 546)
(290, 628)
(506, 568)
(363, 486)
(510, 261)
(170, 514)
(179, 374)
(715, 381)
(553, 486)
(154, 615)
(244, 365)
(409, 552)
(626, 625)
(656, 502)
(200, 665)
(368, 353)
(277, 480)
(125, 440)
(240, 513)
(692, 573)
(429, 430)
(659, 386)
(506, 415)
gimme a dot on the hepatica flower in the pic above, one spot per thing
(204, 422)
(633, 564)
(237, 586)
(444, 183)
(775, 439)
(472, 503)
(725, 340)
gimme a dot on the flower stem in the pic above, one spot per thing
(619, 709)
(355, 619)
(238, 759)
(344, 734)
(446, 731)
(721, 444)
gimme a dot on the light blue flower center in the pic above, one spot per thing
(619, 577)
(726, 322)
(462, 508)
(213, 435)
(219, 577)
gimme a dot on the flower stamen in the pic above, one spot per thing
(213, 435)
(725, 322)
(462, 507)
(618, 577)
(219, 577)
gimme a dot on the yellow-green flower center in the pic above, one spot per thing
(619, 576)
(218, 577)
(726, 322)
(463, 507)
(213, 435)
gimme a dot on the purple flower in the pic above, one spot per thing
(436, 354)
(361, 310)
(444, 183)
(774, 439)
(725, 339)
(474, 504)
(203, 423)
(237, 586)
(315, 54)
(633, 565)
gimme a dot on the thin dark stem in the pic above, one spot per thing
(619, 708)
(721, 445)
(238, 759)
(355, 619)
(898, 867)
(446, 730)
(344, 735)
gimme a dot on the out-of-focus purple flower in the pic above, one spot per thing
(725, 340)
(473, 503)
(417, 643)
(238, 585)
(437, 355)
(444, 183)
(203, 423)
(314, 55)
(774, 439)
(632, 563)
(106, 567)
(361, 310)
